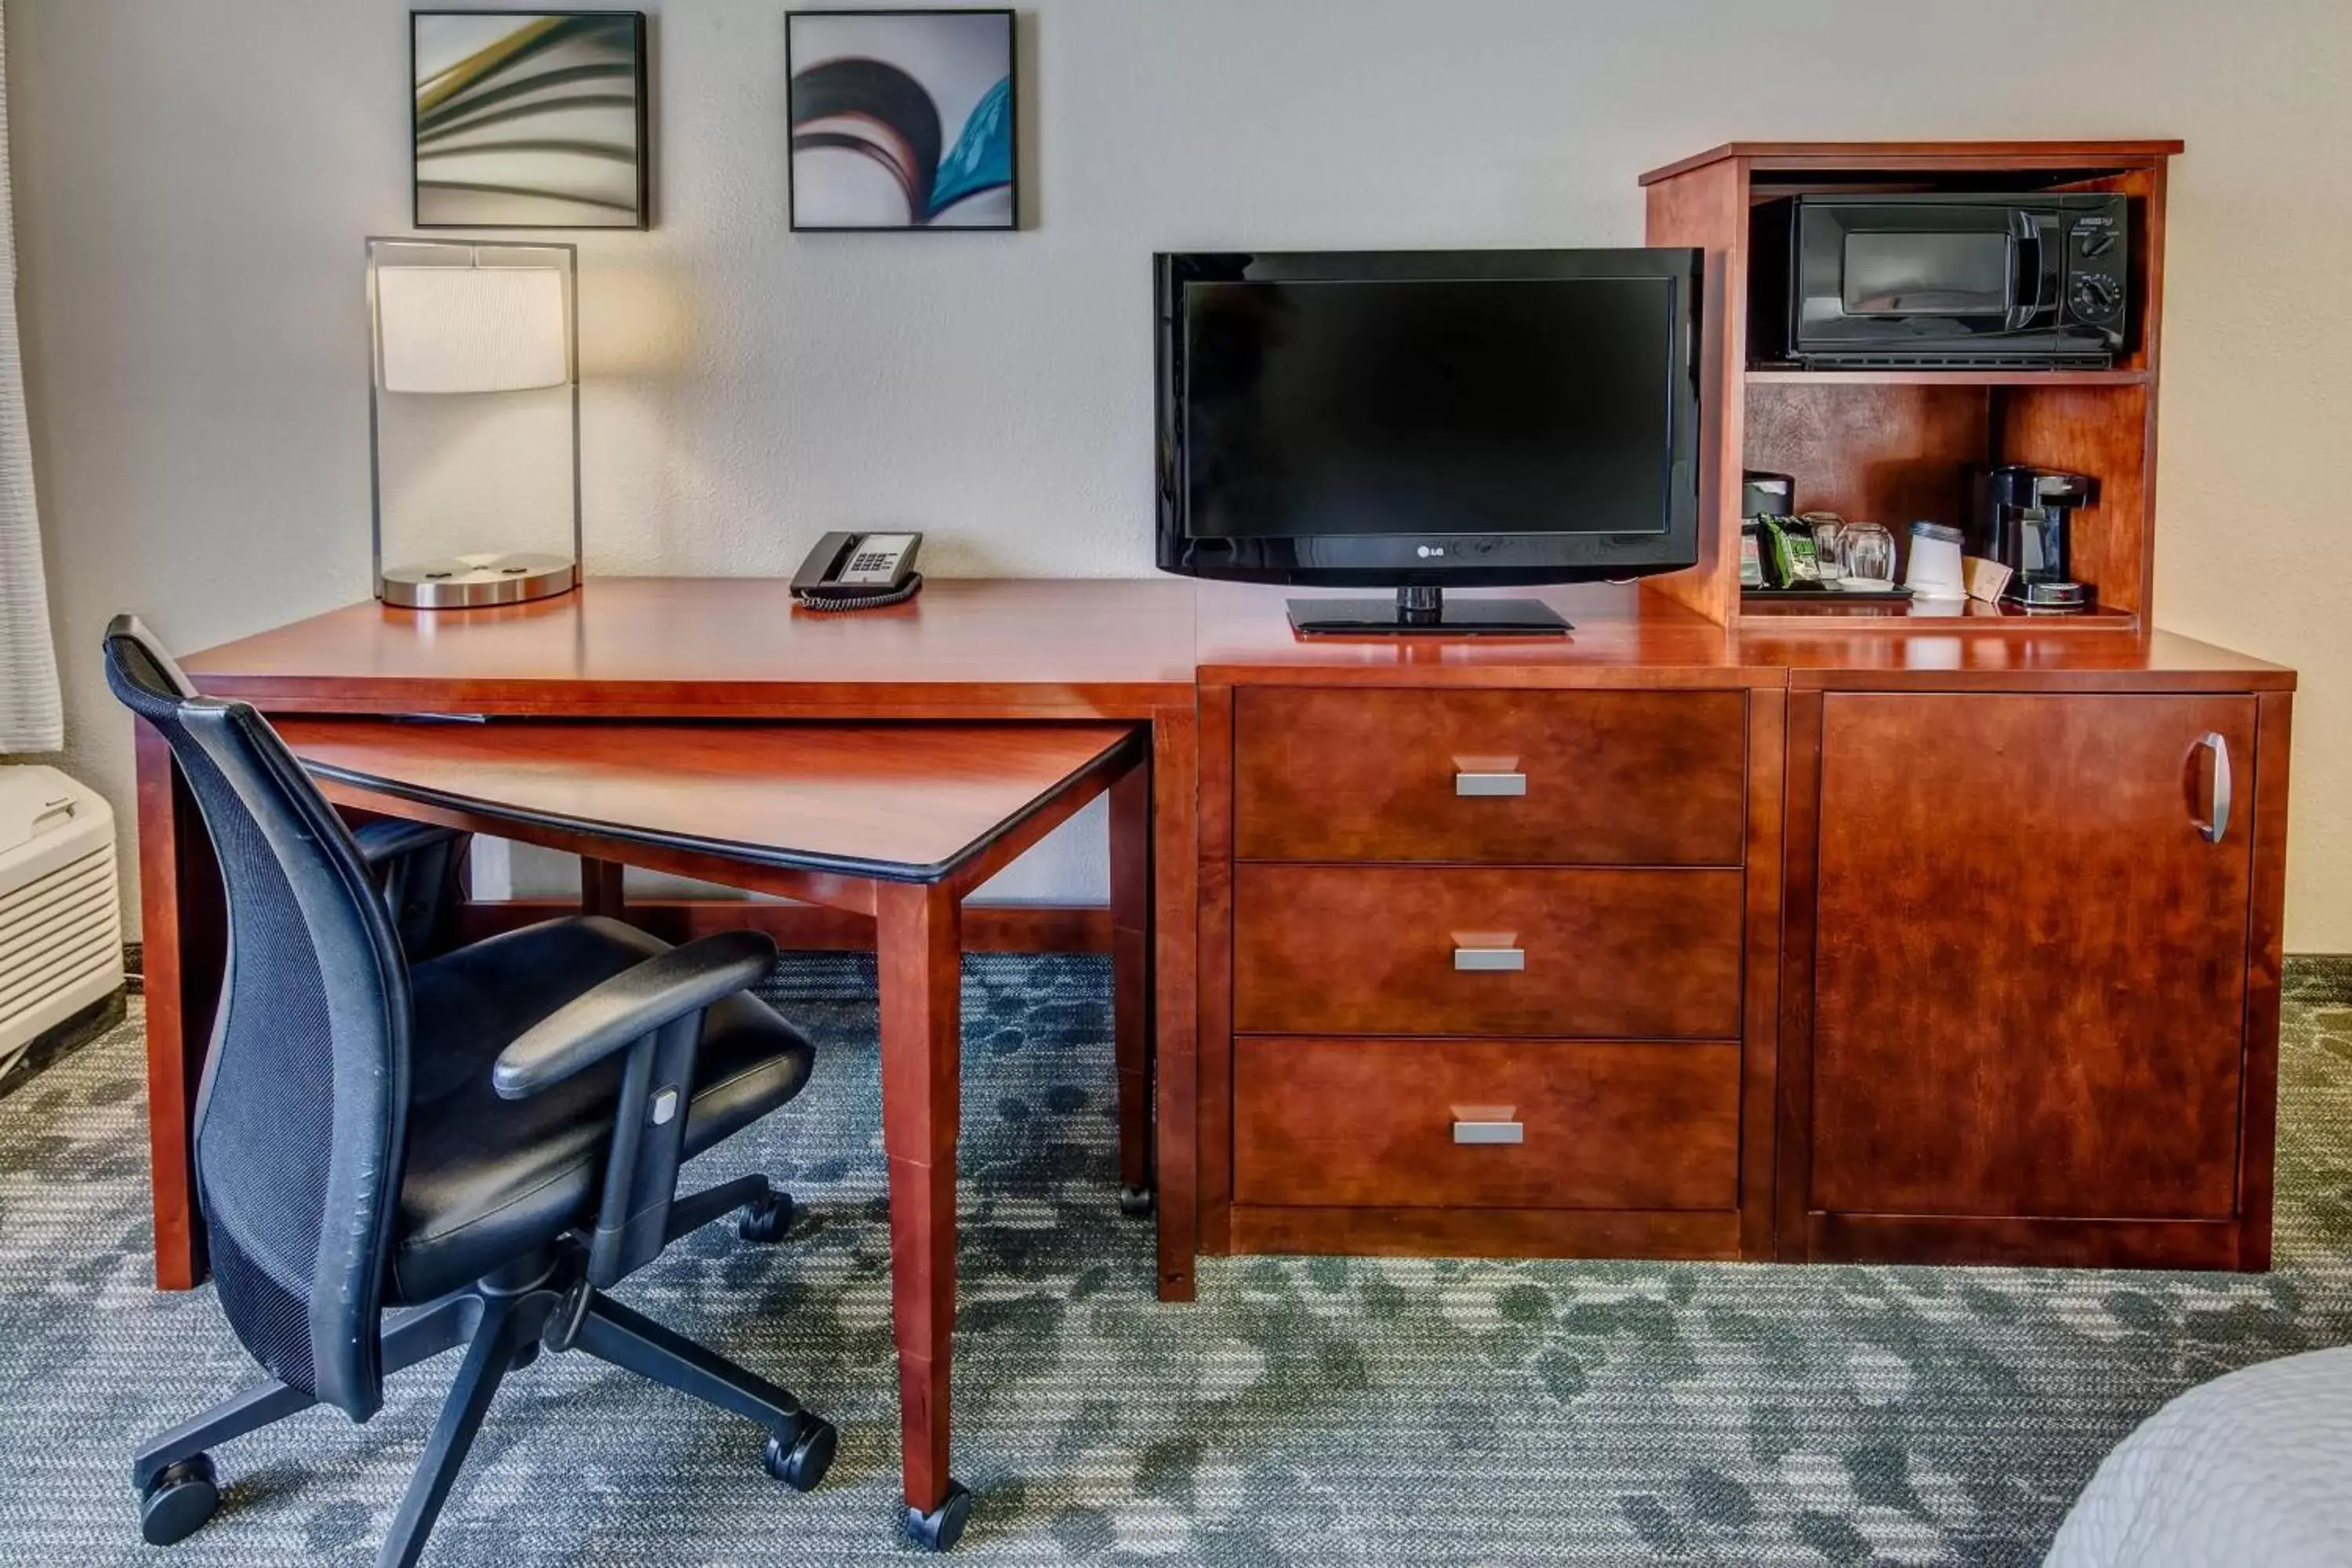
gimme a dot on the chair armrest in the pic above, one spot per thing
(390, 837)
(630, 1006)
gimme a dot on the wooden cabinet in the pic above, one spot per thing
(1888, 945)
(2021, 999)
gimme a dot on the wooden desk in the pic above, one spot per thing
(663, 648)
(1193, 661)
(897, 822)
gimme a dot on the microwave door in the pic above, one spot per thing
(1884, 274)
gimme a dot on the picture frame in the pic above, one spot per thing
(506, 165)
(903, 120)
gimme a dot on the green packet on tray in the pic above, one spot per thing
(1787, 551)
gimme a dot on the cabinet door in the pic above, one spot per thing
(2030, 962)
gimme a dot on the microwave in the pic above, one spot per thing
(1959, 279)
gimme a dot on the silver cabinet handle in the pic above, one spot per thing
(2214, 830)
(1476, 784)
(1488, 775)
(1490, 1132)
(1489, 960)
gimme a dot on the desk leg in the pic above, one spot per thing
(1130, 967)
(185, 941)
(600, 888)
(918, 947)
(1175, 973)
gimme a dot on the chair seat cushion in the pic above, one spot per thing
(490, 1180)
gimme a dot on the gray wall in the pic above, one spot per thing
(194, 178)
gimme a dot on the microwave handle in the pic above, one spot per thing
(2026, 258)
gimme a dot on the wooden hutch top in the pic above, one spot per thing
(1899, 444)
(1922, 156)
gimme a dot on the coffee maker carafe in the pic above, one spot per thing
(2025, 515)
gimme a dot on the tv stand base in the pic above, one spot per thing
(1424, 612)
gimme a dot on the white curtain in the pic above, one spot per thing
(32, 718)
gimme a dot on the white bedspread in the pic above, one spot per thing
(2253, 1469)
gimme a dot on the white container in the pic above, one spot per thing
(60, 905)
(1935, 572)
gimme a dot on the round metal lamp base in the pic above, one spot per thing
(475, 581)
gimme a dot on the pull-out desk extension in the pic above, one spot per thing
(901, 823)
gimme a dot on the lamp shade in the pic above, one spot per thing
(471, 329)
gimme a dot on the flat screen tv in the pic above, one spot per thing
(1419, 420)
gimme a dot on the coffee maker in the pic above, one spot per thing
(2023, 516)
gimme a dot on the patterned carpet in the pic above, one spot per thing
(1315, 1412)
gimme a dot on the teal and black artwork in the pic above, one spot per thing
(903, 119)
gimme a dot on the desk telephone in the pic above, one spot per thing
(859, 572)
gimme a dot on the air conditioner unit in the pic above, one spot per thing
(60, 906)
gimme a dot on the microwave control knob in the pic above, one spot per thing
(2095, 241)
(2096, 298)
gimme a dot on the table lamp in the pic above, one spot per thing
(474, 421)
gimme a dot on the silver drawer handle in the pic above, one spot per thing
(1490, 1132)
(1490, 960)
(1490, 784)
(1488, 777)
(2215, 830)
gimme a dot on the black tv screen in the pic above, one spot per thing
(1496, 417)
(1511, 405)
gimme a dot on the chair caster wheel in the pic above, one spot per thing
(799, 1457)
(765, 1222)
(1135, 1203)
(943, 1526)
(176, 1503)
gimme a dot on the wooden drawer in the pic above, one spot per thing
(1611, 778)
(1372, 949)
(1373, 1123)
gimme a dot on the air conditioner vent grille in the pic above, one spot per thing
(60, 904)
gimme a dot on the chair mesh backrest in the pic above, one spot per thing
(300, 1119)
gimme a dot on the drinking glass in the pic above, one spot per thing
(1869, 552)
(1829, 544)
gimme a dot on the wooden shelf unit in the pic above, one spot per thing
(1898, 446)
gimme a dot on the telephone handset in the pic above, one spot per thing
(859, 572)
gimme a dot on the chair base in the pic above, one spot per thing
(503, 1328)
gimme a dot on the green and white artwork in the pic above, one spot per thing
(531, 119)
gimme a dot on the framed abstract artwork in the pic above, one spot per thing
(530, 118)
(903, 119)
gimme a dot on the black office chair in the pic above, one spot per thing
(490, 1138)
